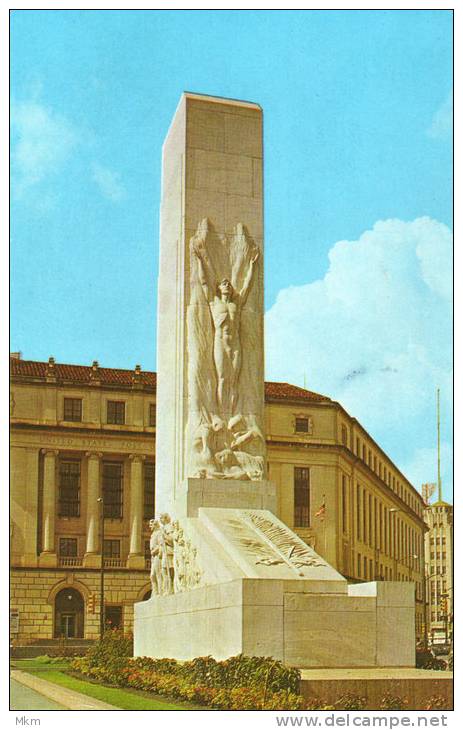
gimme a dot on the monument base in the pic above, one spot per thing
(264, 592)
(286, 620)
(418, 686)
(233, 493)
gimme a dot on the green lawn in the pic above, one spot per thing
(42, 663)
(123, 698)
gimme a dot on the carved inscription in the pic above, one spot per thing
(269, 543)
(90, 443)
(299, 554)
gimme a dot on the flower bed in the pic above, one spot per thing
(238, 683)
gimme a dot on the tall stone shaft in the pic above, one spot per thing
(210, 364)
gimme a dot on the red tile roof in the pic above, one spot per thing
(80, 373)
(287, 391)
(116, 376)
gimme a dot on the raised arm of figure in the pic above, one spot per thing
(248, 278)
(203, 277)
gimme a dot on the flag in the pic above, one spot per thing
(321, 511)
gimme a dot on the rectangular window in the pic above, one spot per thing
(364, 516)
(147, 550)
(68, 547)
(357, 449)
(148, 493)
(302, 425)
(112, 549)
(152, 414)
(301, 497)
(72, 409)
(364, 453)
(359, 515)
(344, 504)
(370, 522)
(115, 412)
(112, 489)
(113, 617)
(359, 565)
(69, 489)
(344, 435)
(365, 563)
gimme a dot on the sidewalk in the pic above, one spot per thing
(25, 698)
(67, 698)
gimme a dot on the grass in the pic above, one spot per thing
(123, 699)
(42, 663)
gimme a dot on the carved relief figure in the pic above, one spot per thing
(225, 305)
(155, 550)
(225, 439)
(173, 558)
(166, 541)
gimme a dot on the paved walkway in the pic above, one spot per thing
(24, 698)
(61, 697)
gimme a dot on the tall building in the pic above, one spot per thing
(439, 570)
(83, 456)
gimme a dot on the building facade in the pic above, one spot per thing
(439, 570)
(82, 466)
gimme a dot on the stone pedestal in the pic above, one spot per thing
(48, 560)
(91, 560)
(264, 592)
(195, 493)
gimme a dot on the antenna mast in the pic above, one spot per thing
(439, 482)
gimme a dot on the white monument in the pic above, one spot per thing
(227, 575)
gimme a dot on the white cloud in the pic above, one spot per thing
(109, 182)
(442, 122)
(375, 333)
(42, 140)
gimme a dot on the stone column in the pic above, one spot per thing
(48, 554)
(91, 558)
(136, 558)
(211, 228)
(31, 499)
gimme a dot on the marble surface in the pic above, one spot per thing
(265, 592)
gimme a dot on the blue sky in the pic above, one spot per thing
(358, 195)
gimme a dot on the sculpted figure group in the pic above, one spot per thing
(173, 558)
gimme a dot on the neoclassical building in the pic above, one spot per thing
(82, 464)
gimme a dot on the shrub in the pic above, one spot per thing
(238, 683)
(350, 701)
(242, 671)
(392, 702)
(437, 703)
(108, 658)
(315, 703)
